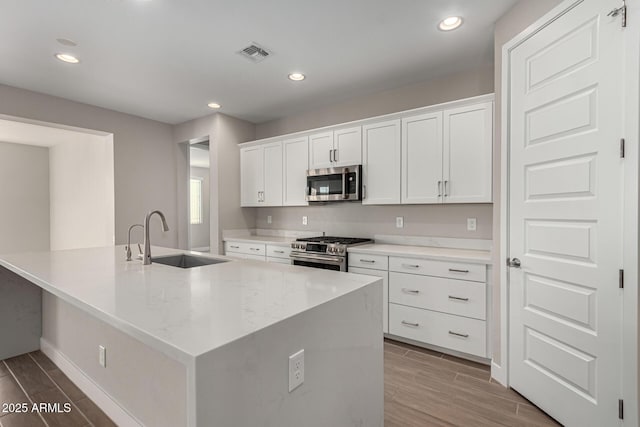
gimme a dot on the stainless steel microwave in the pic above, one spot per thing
(334, 184)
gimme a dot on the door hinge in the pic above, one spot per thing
(621, 279)
(620, 11)
(621, 409)
(622, 148)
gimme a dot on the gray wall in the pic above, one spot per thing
(144, 155)
(24, 174)
(199, 233)
(518, 18)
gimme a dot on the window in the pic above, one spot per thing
(195, 185)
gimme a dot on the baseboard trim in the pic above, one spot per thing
(499, 373)
(110, 407)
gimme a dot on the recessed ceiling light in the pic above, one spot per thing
(296, 77)
(450, 23)
(213, 105)
(65, 57)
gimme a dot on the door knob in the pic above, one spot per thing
(513, 262)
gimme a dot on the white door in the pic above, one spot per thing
(565, 216)
(468, 143)
(422, 158)
(381, 163)
(251, 175)
(296, 162)
(321, 150)
(272, 192)
(348, 147)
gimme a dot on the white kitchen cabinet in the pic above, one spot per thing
(296, 162)
(261, 175)
(422, 158)
(342, 147)
(467, 157)
(381, 163)
(447, 156)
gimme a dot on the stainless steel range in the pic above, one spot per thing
(329, 253)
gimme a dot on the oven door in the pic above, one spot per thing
(334, 184)
(337, 263)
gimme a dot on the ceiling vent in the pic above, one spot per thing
(255, 53)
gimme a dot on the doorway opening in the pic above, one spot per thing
(199, 197)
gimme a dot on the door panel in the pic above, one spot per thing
(296, 163)
(320, 146)
(381, 163)
(565, 219)
(272, 175)
(252, 175)
(348, 145)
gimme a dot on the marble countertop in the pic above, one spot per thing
(425, 252)
(269, 240)
(181, 312)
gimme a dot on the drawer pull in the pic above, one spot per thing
(455, 270)
(279, 252)
(370, 261)
(414, 325)
(255, 249)
(459, 335)
(458, 298)
(234, 247)
(411, 265)
(410, 291)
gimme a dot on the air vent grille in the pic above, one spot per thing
(255, 53)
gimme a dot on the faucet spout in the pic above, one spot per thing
(147, 242)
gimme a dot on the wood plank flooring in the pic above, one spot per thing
(423, 388)
(34, 378)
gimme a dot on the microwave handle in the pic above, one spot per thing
(344, 183)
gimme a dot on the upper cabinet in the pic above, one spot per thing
(295, 153)
(447, 156)
(381, 163)
(331, 149)
(261, 175)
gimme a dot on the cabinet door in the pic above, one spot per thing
(348, 146)
(422, 158)
(251, 175)
(381, 163)
(296, 162)
(385, 292)
(320, 146)
(272, 175)
(468, 141)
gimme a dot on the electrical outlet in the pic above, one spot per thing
(305, 220)
(102, 356)
(399, 222)
(296, 370)
(269, 219)
(471, 224)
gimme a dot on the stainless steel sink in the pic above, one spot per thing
(186, 261)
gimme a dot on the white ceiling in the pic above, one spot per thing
(165, 60)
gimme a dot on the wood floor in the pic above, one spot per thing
(33, 378)
(422, 389)
(425, 388)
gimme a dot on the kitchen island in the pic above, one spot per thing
(208, 346)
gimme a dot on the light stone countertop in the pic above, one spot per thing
(183, 313)
(425, 252)
(269, 240)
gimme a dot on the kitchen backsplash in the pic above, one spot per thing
(356, 220)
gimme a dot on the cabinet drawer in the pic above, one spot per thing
(375, 262)
(454, 270)
(444, 330)
(279, 260)
(278, 251)
(238, 255)
(244, 248)
(459, 297)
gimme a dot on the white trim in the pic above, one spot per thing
(117, 413)
(499, 373)
(630, 211)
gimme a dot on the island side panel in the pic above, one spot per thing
(20, 315)
(245, 383)
(147, 384)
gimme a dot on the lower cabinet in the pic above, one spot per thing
(257, 251)
(385, 291)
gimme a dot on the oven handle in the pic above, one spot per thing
(299, 257)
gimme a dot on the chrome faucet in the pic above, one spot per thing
(147, 243)
(128, 247)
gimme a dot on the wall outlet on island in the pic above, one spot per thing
(269, 219)
(399, 222)
(296, 370)
(471, 224)
(305, 220)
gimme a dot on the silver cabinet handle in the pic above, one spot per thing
(515, 263)
(459, 334)
(254, 249)
(439, 188)
(279, 252)
(410, 291)
(458, 298)
(446, 193)
(411, 265)
(234, 247)
(455, 270)
(415, 325)
(330, 156)
(368, 261)
(364, 191)
(335, 155)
